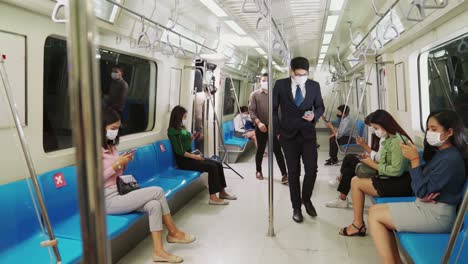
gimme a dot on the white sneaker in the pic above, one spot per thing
(338, 203)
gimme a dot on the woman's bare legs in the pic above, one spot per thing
(381, 225)
(359, 187)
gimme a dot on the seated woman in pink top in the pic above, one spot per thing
(150, 200)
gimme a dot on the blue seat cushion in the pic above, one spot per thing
(29, 251)
(170, 186)
(235, 143)
(380, 200)
(62, 205)
(424, 248)
(21, 231)
(165, 154)
(71, 228)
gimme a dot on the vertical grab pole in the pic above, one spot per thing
(29, 162)
(271, 228)
(457, 225)
(86, 118)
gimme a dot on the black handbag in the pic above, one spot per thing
(126, 184)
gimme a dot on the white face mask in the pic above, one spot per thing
(433, 138)
(245, 116)
(184, 122)
(379, 133)
(114, 75)
(301, 80)
(264, 86)
(372, 130)
(111, 134)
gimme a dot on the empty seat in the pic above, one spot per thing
(21, 232)
(228, 135)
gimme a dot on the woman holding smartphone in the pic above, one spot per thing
(393, 178)
(150, 200)
(181, 141)
(438, 187)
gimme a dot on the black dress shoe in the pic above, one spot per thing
(310, 209)
(297, 216)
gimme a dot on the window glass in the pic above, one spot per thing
(448, 77)
(229, 98)
(138, 106)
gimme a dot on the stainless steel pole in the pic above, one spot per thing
(86, 118)
(457, 225)
(271, 228)
(29, 162)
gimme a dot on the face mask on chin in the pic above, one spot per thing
(433, 138)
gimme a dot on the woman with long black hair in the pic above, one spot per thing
(392, 179)
(181, 141)
(150, 200)
(438, 187)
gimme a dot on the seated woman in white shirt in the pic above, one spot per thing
(239, 125)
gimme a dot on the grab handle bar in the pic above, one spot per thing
(58, 5)
(255, 10)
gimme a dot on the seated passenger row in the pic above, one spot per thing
(397, 170)
(152, 165)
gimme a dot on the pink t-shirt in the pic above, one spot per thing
(109, 157)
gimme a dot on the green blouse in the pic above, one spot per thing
(181, 140)
(392, 163)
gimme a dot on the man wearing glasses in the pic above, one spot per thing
(301, 104)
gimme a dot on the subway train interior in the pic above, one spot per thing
(135, 131)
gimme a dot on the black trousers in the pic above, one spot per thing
(295, 149)
(216, 179)
(262, 140)
(348, 168)
(333, 151)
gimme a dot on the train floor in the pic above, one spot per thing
(237, 233)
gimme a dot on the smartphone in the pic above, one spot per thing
(129, 152)
(196, 152)
(307, 113)
(402, 138)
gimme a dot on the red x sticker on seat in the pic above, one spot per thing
(162, 148)
(59, 180)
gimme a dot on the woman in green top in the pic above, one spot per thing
(393, 178)
(181, 141)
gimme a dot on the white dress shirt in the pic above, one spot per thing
(375, 155)
(294, 87)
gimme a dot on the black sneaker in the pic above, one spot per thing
(331, 162)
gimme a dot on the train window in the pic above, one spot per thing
(229, 97)
(444, 70)
(138, 110)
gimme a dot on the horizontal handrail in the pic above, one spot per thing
(159, 25)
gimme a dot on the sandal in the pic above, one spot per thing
(361, 231)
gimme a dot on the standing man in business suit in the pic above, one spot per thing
(301, 104)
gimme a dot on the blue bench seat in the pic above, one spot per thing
(21, 232)
(62, 205)
(229, 138)
(381, 200)
(151, 167)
